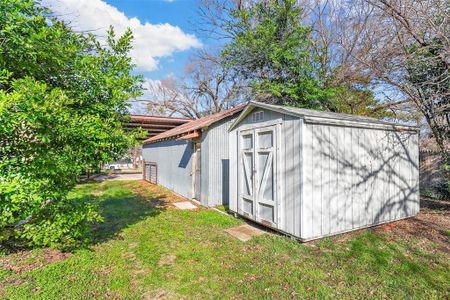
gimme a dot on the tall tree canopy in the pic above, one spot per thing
(381, 58)
(272, 49)
(62, 104)
(288, 52)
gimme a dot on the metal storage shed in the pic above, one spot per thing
(192, 159)
(312, 174)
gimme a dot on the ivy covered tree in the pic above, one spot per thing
(62, 105)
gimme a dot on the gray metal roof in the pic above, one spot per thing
(322, 116)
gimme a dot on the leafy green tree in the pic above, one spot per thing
(62, 105)
(356, 101)
(286, 57)
(271, 49)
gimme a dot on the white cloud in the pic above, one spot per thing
(151, 41)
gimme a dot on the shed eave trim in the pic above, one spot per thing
(190, 135)
(319, 120)
(327, 121)
(179, 137)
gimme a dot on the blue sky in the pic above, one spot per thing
(181, 13)
(165, 37)
(163, 30)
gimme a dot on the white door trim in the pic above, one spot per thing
(258, 183)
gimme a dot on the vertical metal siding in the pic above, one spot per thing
(357, 177)
(215, 179)
(233, 152)
(308, 175)
(174, 159)
(291, 176)
(204, 169)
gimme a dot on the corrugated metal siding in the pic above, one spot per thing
(214, 159)
(204, 173)
(174, 159)
(233, 152)
(357, 177)
(215, 164)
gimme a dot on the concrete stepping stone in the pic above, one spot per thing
(245, 232)
(184, 205)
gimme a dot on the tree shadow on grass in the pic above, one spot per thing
(121, 204)
(121, 208)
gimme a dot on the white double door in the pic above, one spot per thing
(257, 174)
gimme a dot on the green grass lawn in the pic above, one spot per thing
(146, 249)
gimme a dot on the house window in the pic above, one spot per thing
(258, 116)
